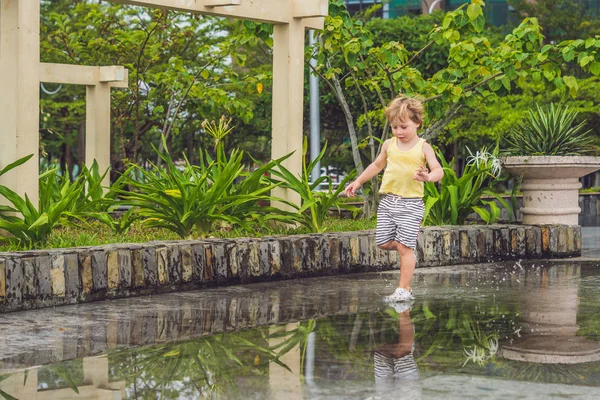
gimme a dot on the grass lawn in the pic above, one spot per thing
(98, 234)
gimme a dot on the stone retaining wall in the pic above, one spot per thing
(37, 279)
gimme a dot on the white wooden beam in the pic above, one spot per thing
(97, 128)
(111, 73)
(317, 23)
(70, 74)
(98, 82)
(271, 11)
(221, 3)
(310, 9)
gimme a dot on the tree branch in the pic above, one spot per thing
(434, 130)
(413, 58)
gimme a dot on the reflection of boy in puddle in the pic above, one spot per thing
(396, 372)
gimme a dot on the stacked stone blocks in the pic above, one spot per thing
(35, 279)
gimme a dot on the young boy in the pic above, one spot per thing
(400, 211)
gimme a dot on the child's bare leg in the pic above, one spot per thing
(392, 245)
(407, 265)
(407, 261)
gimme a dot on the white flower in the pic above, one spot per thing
(485, 159)
(493, 346)
(477, 355)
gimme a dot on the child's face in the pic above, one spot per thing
(404, 130)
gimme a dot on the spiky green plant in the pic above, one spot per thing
(459, 196)
(549, 131)
(315, 205)
(29, 225)
(196, 197)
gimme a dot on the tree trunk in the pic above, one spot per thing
(350, 122)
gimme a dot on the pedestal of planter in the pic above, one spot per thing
(551, 186)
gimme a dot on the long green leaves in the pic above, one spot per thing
(461, 196)
(208, 364)
(315, 206)
(549, 131)
(28, 224)
(196, 197)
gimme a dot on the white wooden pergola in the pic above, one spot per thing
(98, 81)
(20, 76)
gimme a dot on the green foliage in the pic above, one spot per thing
(118, 225)
(561, 19)
(461, 196)
(180, 73)
(549, 131)
(218, 131)
(95, 233)
(196, 197)
(315, 205)
(94, 201)
(478, 68)
(489, 123)
(203, 363)
(30, 225)
(451, 327)
(94, 197)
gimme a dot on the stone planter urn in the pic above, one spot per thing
(550, 186)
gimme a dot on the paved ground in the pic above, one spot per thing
(591, 242)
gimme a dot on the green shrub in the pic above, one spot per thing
(461, 196)
(29, 225)
(197, 197)
(315, 205)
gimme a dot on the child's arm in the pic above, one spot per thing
(373, 169)
(436, 174)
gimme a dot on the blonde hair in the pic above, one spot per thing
(403, 107)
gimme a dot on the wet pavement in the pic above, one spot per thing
(590, 245)
(526, 330)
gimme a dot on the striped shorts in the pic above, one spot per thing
(387, 366)
(399, 219)
(397, 378)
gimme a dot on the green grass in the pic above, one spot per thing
(99, 234)
(590, 190)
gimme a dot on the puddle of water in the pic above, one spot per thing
(484, 332)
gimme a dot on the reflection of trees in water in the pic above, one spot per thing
(455, 334)
(236, 361)
(66, 374)
(588, 314)
(343, 347)
(204, 366)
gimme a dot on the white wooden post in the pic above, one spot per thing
(19, 93)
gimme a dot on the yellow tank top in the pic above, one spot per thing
(400, 170)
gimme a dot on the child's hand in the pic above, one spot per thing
(421, 174)
(351, 189)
